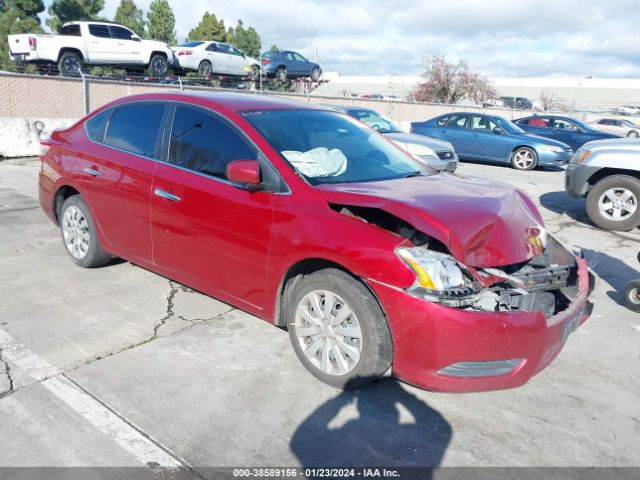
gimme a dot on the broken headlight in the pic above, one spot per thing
(438, 275)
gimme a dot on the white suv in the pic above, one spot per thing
(91, 43)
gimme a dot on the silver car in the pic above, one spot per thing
(438, 154)
(607, 173)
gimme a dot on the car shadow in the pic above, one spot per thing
(613, 271)
(549, 168)
(393, 428)
(561, 202)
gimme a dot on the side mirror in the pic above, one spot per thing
(498, 131)
(246, 172)
(135, 38)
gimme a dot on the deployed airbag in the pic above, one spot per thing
(318, 162)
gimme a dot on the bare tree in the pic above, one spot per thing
(549, 100)
(446, 82)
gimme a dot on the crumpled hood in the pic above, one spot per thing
(483, 223)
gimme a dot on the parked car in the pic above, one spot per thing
(476, 136)
(91, 43)
(607, 174)
(616, 126)
(436, 153)
(519, 103)
(571, 131)
(628, 110)
(284, 64)
(310, 220)
(209, 58)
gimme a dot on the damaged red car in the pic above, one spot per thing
(313, 221)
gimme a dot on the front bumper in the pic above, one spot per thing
(547, 158)
(576, 179)
(428, 338)
(449, 165)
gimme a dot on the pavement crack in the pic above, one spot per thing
(7, 372)
(172, 294)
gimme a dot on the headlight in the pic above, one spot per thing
(553, 148)
(434, 270)
(416, 149)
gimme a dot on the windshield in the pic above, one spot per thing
(583, 126)
(375, 120)
(508, 126)
(330, 147)
(627, 123)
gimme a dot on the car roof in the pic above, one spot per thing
(233, 101)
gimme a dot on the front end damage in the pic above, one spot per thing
(472, 328)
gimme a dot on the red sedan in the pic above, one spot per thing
(310, 220)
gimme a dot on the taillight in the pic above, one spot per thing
(411, 129)
(45, 144)
(266, 61)
(185, 52)
(33, 43)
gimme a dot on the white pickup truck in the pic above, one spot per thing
(91, 43)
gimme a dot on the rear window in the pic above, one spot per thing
(96, 125)
(190, 44)
(101, 31)
(135, 128)
(72, 30)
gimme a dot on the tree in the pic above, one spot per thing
(161, 22)
(62, 11)
(274, 48)
(210, 29)
(246, 39)
(17, 16)
(446, 82)
(129, 15)
(549, 100)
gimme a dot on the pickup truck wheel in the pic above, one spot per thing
(79, 234)
(70, 64)
(158, 66)
(612, 203)
(524, 158)
(338, 329)
(204, 69)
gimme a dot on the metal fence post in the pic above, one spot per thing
(85, 93)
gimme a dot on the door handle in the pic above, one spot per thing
(166, 195)
(92, 171)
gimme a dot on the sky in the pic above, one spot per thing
(519, 38)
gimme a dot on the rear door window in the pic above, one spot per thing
(136, 128)
(459, 121)
(101, 31)
(204, 143)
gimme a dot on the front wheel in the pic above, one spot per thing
(632, 295)
(315, 74)
(79, 234)
(632, 134)
(338, 329)
(204, 69)
(612, 203)
(524, 158)
(158, 66)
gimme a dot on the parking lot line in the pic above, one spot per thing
(102, 417)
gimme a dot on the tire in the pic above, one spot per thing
(632, 295)
(315, 74)
(632, 134)
(70, 64)
(79, 234)
(205, 69)
(281, 74)
(351, 362)
(255, 72)
(158, 66)
(621, 188)
(524, 158)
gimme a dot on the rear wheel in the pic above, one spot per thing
(632, 295)
(204, 69)
(524, 158)
(79, 234)
(281, 74)
(70, 64)
(255, 72)
(338, 330)
(612, 203)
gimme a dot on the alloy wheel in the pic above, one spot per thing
(617, 204)
(71, 65)
(159, 66)
(75, 230)
(328, 332)
(523, 159)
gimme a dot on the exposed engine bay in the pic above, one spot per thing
(548, 282)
